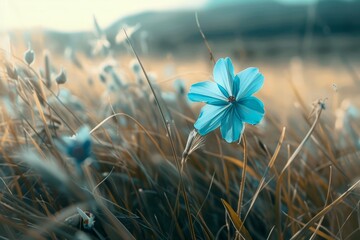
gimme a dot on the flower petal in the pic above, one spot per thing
(224, 74)
(231, 126)
(210, 118)
(251, 80)
(250, 110)
(83, 134)
(236, 86)
(207, 92)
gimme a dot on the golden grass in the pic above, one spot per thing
(292, 184)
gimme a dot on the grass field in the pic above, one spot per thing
(293, 176)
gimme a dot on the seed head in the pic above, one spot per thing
(88, 219)
(194, 141)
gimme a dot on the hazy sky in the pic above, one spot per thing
(73, 15)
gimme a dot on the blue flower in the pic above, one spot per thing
(77, 146)
(229, 100)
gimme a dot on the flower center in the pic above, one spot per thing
(231, 99)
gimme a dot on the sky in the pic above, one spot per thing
(75, 15)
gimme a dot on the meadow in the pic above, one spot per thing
(106, 149)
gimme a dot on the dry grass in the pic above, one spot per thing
(136, 189)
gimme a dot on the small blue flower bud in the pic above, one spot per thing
(102, 77)
(29, 56)
(135, 66)
(61, 77)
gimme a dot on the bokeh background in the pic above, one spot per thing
(313, 42)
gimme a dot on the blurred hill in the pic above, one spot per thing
(255, 26)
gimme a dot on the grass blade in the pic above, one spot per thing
(236, 221)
